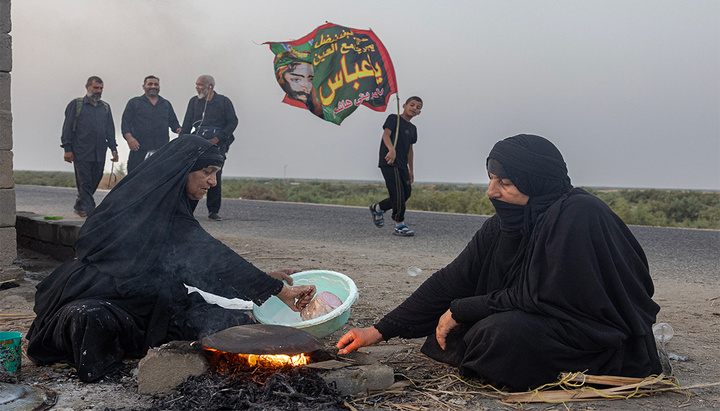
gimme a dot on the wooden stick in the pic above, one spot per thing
(606, 379)
(7, 281)
(350, 406)
(644, 386)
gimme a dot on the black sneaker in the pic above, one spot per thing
(81, 213)
(214, 217)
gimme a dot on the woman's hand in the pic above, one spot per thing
(297, 297)
(283, 275)
(445, 325)
(358, 337)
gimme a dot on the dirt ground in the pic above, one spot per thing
(692, 309)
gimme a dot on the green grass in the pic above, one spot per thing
(666, 208)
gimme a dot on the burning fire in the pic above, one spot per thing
(224, 361)
(275, 361)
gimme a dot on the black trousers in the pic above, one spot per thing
(87, 177)
(135, 158)
(397, 181)
(214, 195)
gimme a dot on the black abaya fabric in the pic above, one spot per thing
(582, 302)
(125, 292)
(569, 291)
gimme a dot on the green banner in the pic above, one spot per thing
(334, 70)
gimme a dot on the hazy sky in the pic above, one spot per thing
(629, 91)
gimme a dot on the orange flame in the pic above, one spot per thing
(223, 361)
(275, 361)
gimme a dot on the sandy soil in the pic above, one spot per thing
(693, 310)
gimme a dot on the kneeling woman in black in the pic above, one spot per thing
(126, 291)
(555, 281)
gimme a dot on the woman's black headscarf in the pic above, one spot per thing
(121, 237)
(533, 164)
(537, 169)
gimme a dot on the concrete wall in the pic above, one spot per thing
(8, 239)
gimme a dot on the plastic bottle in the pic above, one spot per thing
(663, 332)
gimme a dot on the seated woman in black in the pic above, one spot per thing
(554, 282)
(126, 291)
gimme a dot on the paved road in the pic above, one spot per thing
(689, 255)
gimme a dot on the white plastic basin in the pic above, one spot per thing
(274, 311)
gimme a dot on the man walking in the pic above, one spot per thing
(212, 116)
(145, 123)
(87, 133)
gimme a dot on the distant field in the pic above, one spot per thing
(651, 207)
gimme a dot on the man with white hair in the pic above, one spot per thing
(212, 116)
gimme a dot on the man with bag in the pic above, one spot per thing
(87, 133)
(212, 116)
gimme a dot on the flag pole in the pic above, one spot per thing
(397, 128)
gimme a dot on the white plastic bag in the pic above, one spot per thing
(323, 303)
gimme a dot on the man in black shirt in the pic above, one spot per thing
(87, 133)
(145, 122)
(212, 116)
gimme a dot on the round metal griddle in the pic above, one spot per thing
(262, 339)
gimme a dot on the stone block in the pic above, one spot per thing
(8, 246)
(6, 169)
(5, 91)
(7, 207)
(6, 142)
(51, 237)
(61, 232)
(12, 272)
(355, 379)
(165, 367)
(27, 224)
(5, 23)
(68, 231)
(5, 52)
(48, 233)
(59, 252)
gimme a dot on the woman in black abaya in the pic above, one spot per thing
(554, 282)
(126, 291)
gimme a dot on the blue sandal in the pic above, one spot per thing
(404, 231)
(377, 217)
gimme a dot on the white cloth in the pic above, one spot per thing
(231, 304)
